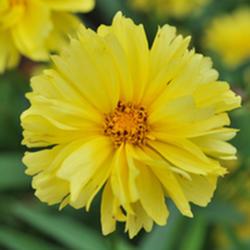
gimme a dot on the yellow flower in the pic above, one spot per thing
(229, 37)
(174, 8)
(143, 123)
(34, 28)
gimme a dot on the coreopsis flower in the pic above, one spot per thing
(139, 123)
(34, 28)
(173, 8)
(229, 37)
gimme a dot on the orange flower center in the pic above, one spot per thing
(127, 123)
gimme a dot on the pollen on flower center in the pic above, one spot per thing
(127, 123)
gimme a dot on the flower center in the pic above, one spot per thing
(127, 123)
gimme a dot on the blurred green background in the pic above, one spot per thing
(27, 224)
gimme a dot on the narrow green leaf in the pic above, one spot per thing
(195, 236)
(16, 240)
(64, 229)
(12, 172)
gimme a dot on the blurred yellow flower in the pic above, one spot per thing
(173, 8)
(33, 28)
(229, 37)
(144, 123)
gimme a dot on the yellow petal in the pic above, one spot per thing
(167, 48)
(133, 40)
(10, 15)
(165, 176)
(217, 94)
(133, 174)
(216, 146)
(197, 71)
(185, 144)
(205, 127)
(63, 114)
(39, 161)
(9, 56)
(93, 186)
(193, 129)
(49, 188)
(92, 72)
(187, 161)
(138, 220)
(199, 189)
(119, 177)
(47, 85)
(180, 110)
(151, 195)
(31, 31)
(107, 218)
(80, 166)
(64, 26)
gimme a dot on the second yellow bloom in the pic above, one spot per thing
(34, 28)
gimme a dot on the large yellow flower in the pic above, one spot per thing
(229, 36)
(33, 28)
(173, 8)
(143, 123)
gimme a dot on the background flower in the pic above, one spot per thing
(34, 28)
(172, 8)
(229, 36)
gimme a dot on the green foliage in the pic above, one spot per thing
(65, 230)
(12, 172)
(17, 240)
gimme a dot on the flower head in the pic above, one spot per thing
(142, 123)
(229, 36)
(34, 28)
(173, 8)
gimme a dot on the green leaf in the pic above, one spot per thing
(64, 229)
(164, 238)
(12, 172)
(16, 240)
(195, 236)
